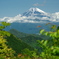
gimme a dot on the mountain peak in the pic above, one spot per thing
(36, 9)
(33, 15)
(34, 12)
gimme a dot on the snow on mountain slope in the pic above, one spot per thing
(35, 12)
(33, 15)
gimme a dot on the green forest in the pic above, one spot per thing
(18, 45)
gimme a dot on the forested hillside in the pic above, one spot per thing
(30, 39)
(17, 33)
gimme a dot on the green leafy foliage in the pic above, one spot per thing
(13, 48)
(42, 31)
(4, 50)
(32, 54)
(2, 27)
(5, 24)
(10, 46)
(50, 48)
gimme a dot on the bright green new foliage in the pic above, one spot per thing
(5, 51)
(3, 25)
(50, 48)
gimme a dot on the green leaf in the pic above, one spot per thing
(48, 23)
(45, 42)
(42, 31)
(55, 34)
(42, 54)
(58, 28)
(52, 47)
(53, 27)
(42, 41)
(54, 50)
(5, 24)
(2, 27)
(46, 33)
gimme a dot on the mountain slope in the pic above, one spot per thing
(35, 12)
(30, 39)
(13, 42)
(17, 44)
(17, 33)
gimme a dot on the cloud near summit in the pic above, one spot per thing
(31, 19)
(37, 4)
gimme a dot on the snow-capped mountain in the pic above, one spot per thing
(29, 20)
(33, 15)
(35, 12)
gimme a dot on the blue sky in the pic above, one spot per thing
(11, 8)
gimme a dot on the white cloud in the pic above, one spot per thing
(31, 19)
(13, 19)
(37, 4)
